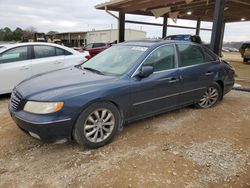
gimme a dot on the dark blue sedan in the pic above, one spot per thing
(129, 81)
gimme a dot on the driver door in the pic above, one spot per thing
(160, 90)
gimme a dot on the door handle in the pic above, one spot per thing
(24, 68)
(58, 62)
(209, 73)
(173, 80)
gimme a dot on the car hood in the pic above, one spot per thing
(60, 84)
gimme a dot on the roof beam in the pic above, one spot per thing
(241, 2)
(149, 4)
(159, 24)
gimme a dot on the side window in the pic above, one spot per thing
(190, 55)
(98, 45)
(161, 59)
(59, 51)
(44, 51)
(67, 52)
(16, 54)
(209, 55)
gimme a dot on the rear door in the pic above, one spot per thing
(160, 90)
(15, 66)
(196, 71)
(45, 59)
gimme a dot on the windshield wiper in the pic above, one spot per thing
(93, 70)
(79, 67)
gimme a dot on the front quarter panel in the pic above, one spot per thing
(116, 93)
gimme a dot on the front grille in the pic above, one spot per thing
(15, 100)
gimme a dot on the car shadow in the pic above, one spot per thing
(5, 96)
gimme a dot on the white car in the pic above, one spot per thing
(21, 61)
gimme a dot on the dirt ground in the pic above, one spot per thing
(242, 69)
(186, 148)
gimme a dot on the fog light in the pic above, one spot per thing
(34, 135)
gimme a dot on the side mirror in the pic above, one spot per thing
(146, 71)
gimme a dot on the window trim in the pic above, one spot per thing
(29, 53)
(176, 60)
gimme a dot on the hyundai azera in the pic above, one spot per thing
(91, 102)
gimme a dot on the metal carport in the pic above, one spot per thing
(219, 12)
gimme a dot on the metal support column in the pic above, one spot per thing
(217, 25)
(198, 26)
(222, 36)
(121, 35)
(164, 28)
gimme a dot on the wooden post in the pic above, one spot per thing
(164, 27)
(198, 26)
(121, 35)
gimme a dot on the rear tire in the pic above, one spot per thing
(211, 97)
(97, 125)
(245, 60)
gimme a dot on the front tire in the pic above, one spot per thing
(245, 60)
(211, 97)
(97, 125)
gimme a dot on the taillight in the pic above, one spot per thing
(234, 73)
(88, 57)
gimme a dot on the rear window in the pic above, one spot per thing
(99, 45)
(179, 37)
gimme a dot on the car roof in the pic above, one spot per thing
(12, 45)
(28, 43)
(152, 42)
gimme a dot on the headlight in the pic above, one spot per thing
(42, 107)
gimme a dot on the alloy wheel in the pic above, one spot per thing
(209, 98)
(99, 125)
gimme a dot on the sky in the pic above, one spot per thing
(80, 15)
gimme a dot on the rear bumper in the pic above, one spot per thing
(50, 131)
(228, 86)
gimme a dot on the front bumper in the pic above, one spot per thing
(46, 130)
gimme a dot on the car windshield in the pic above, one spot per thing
(116, 60)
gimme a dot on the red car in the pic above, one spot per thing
(96, 48)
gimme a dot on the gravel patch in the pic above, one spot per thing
(175, 120)
(220, 159)
(3, 104)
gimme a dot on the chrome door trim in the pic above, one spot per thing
(167, 96)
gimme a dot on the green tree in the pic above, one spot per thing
(8, 35)
(1, 34)
(17, 34)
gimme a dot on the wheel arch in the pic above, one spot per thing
(99, 101)
(221, 84)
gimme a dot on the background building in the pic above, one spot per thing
(77, 39)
